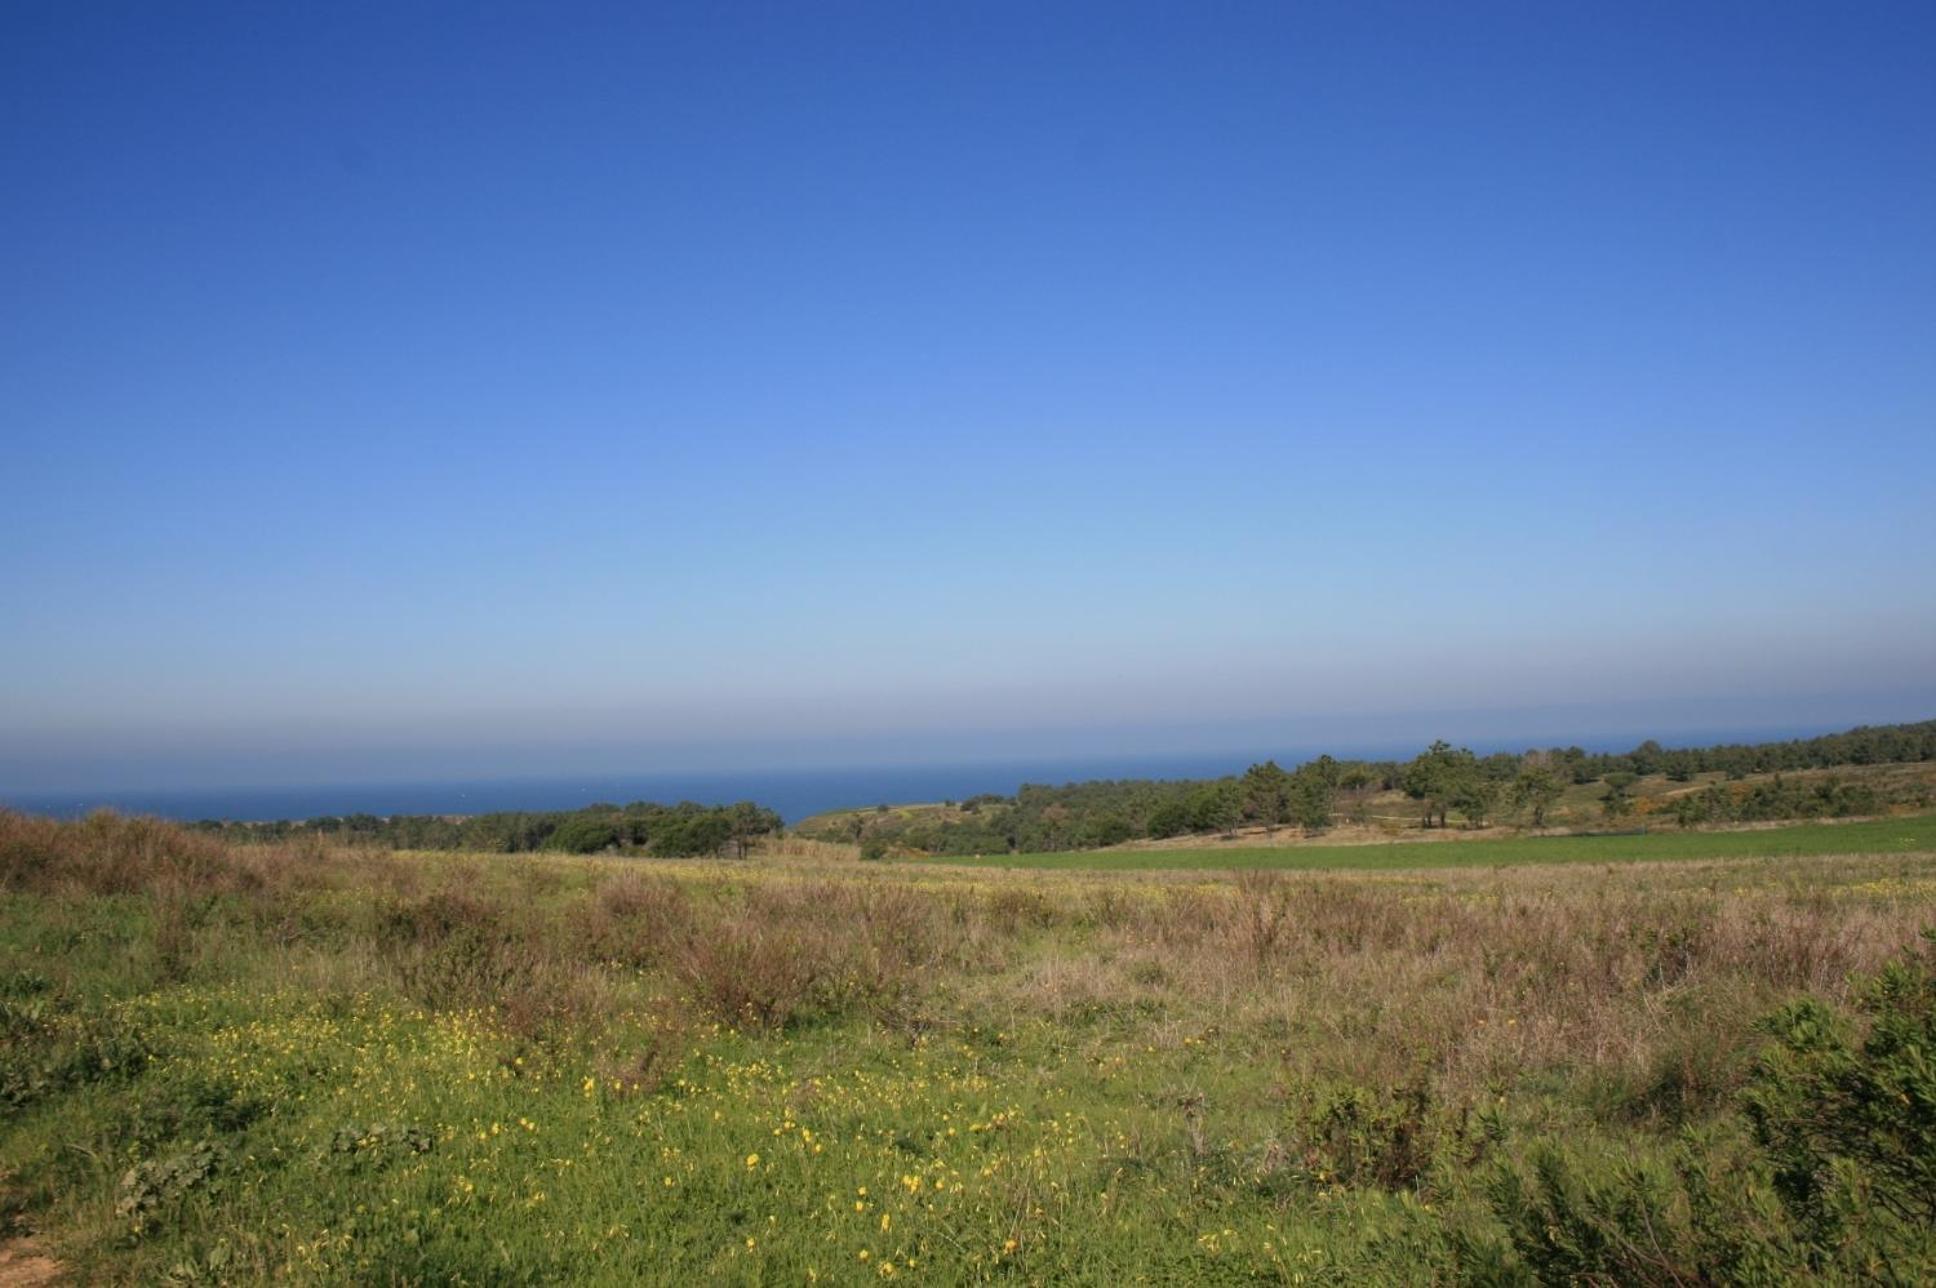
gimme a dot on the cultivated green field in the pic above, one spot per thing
(328, 1066)
(1878, 836)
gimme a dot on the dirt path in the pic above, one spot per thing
(23, 1265)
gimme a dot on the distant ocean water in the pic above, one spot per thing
(795, 793)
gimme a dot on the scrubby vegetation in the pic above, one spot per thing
(238, 1063)
(1440, 787)
(642, 827)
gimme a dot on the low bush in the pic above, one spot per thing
(451, 949)
(107, 854)
(48, 1046)
(1385, 1138)
(149, 1188)
(1830, 1168)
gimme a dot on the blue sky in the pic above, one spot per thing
(426, 389)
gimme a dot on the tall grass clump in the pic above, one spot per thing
(108, 854)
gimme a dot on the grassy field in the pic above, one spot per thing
(1878, 836)
(238, 1065)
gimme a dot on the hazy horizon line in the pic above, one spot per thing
(1237, 744)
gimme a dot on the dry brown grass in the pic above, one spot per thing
(1482, 979)
(792, 848)
(1641, 978)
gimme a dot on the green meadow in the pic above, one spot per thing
(1874, 836)
(318, 1065)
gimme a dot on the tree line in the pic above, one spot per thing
(1445, 782)
(1865, 745)
(682, 830)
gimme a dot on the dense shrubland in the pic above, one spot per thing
(248, 1062)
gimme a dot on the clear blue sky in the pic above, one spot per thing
(474, 388)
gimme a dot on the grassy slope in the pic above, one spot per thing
(1074, 1077)
(1878, 836)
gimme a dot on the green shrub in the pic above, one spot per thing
(1850, 1128)
(1829, 1171)
(452, 949)
(1384, 1138)
(1573, 1220)
(377, 1144)
(691, 835)
(149, 1187)
(583, 834)
(47, 1047)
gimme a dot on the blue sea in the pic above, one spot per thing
(795, 793)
